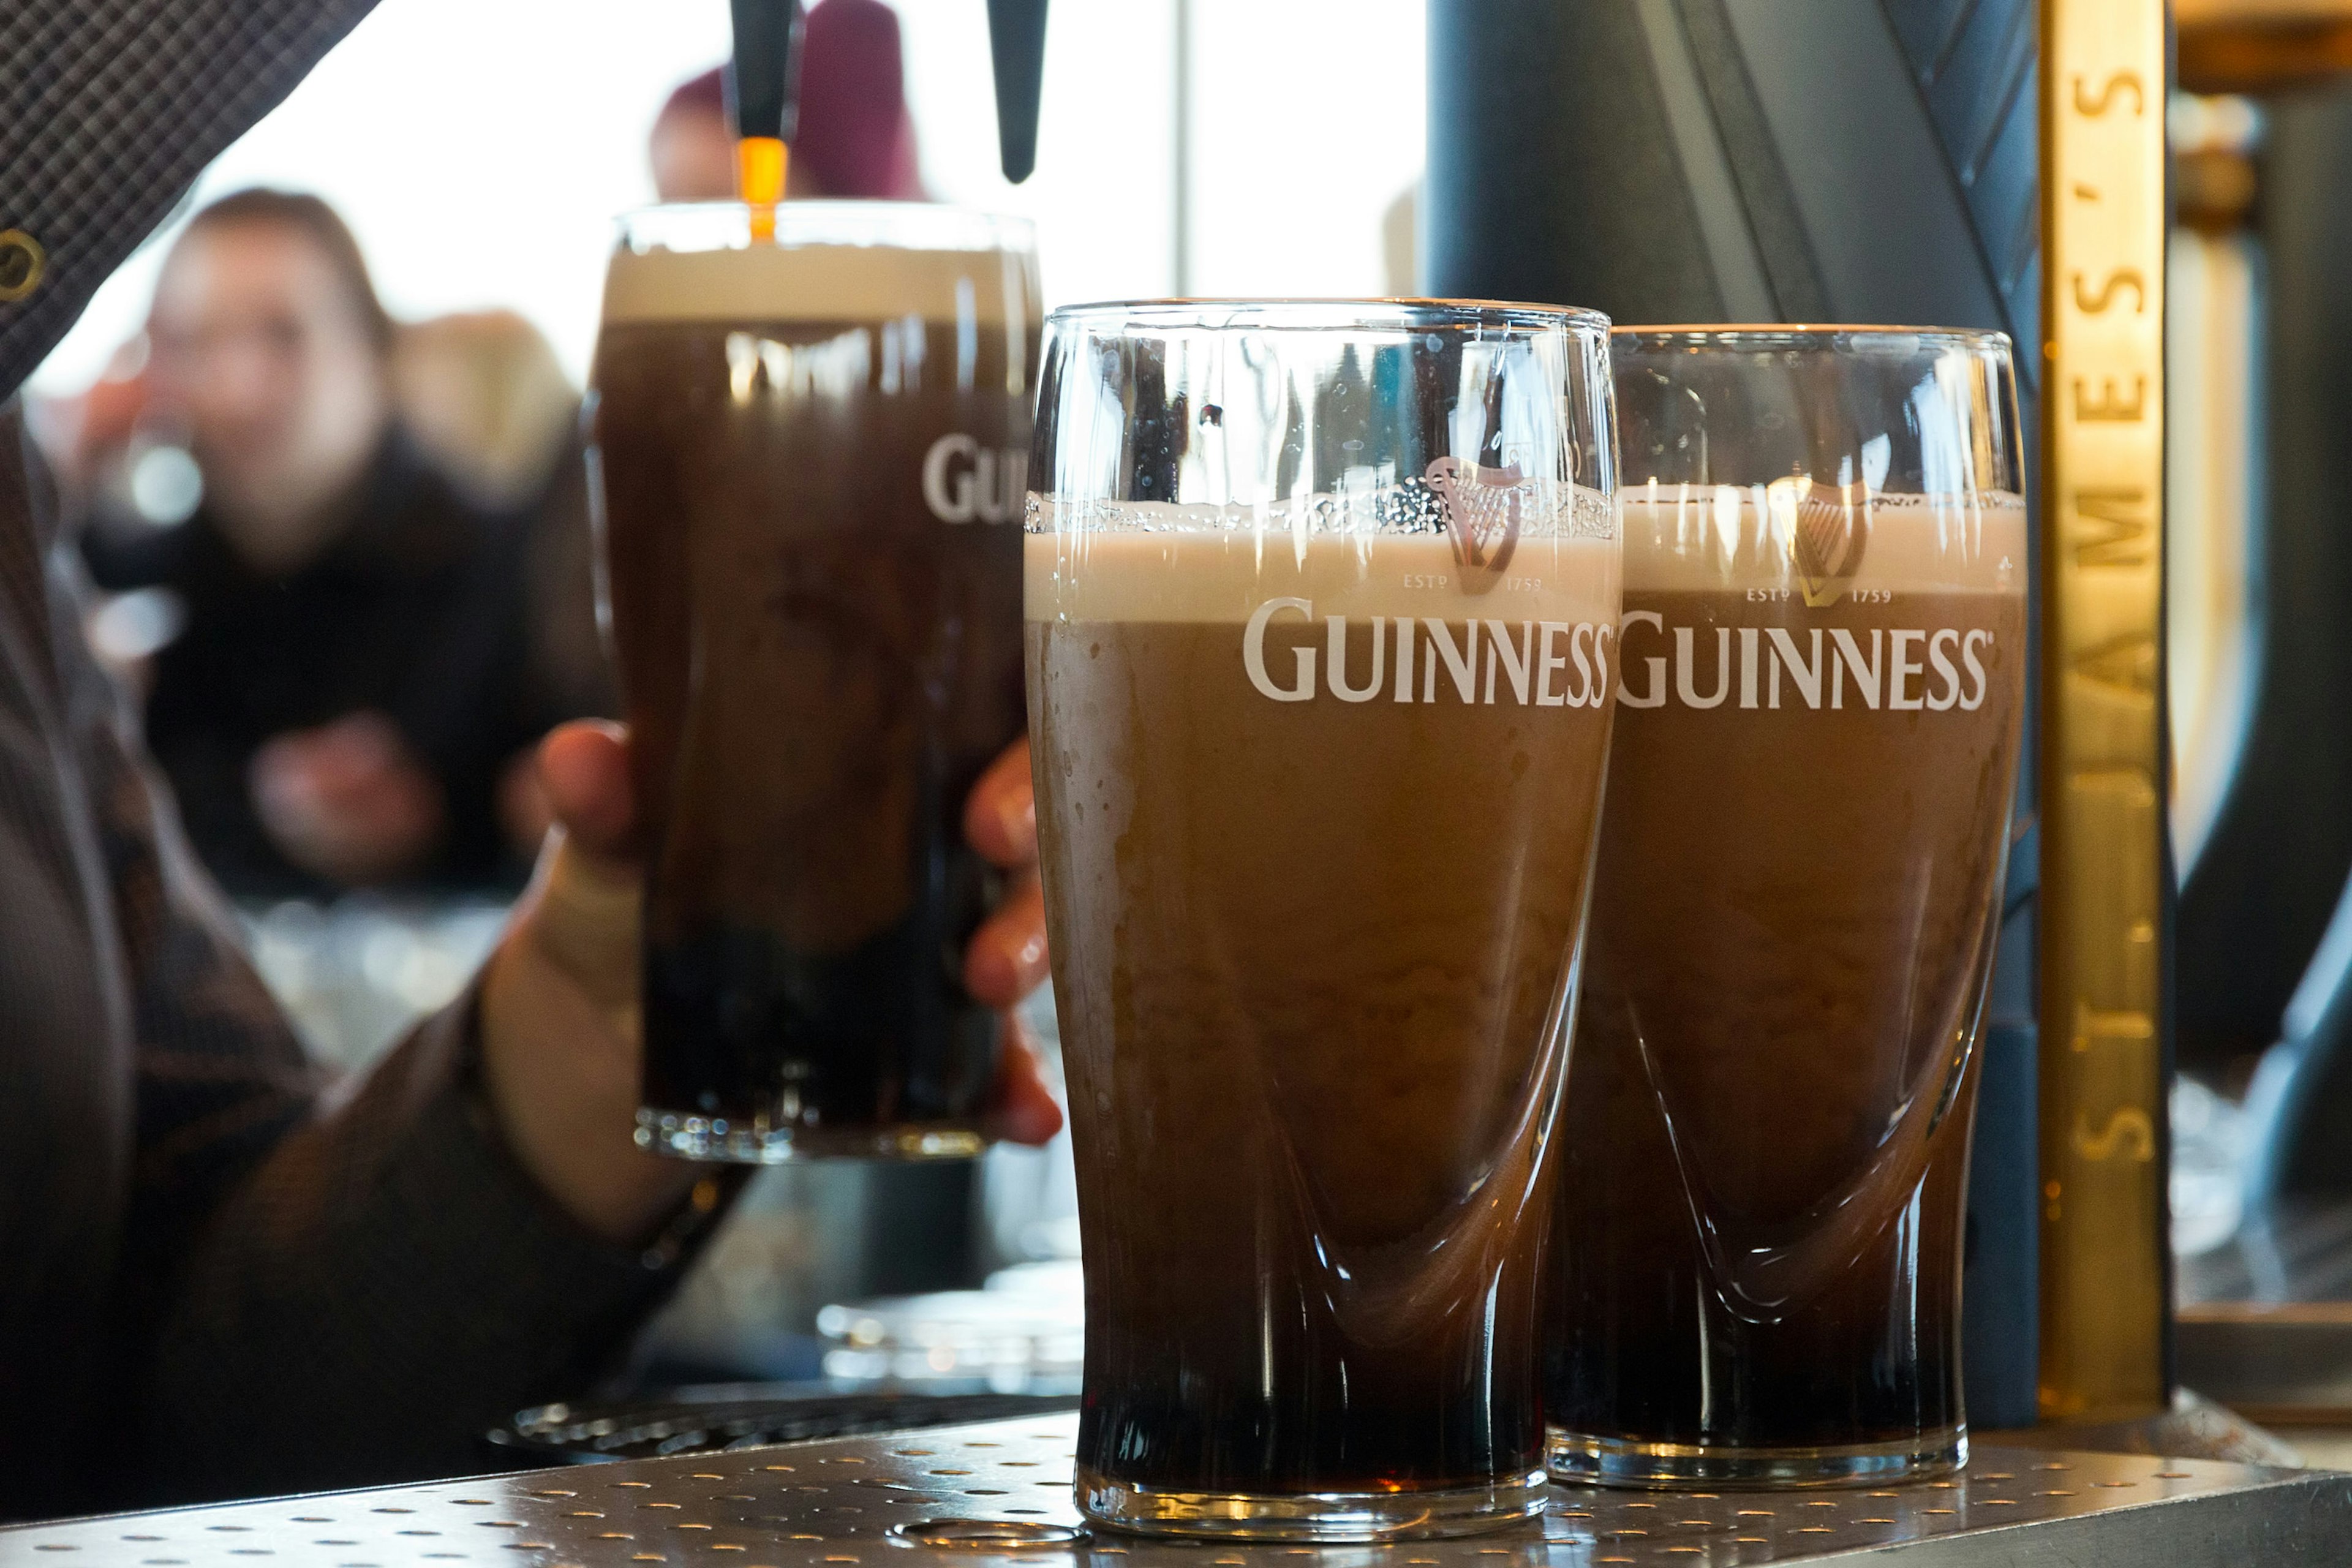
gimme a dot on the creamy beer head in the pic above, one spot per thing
(810, 459)
(1821, 543)
(1698, 559)
(1534, 623)
(833, 262)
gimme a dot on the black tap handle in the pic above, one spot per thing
(763, 80)
(1017, 38)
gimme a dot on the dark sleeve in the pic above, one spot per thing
(108, 110)
(322, 1285)
(380, 1291)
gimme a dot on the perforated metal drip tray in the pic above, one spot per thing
(833, 1504)
(725, 1416)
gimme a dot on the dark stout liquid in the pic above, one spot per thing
(1306, 952)
(816, 668)
(1765, 1129)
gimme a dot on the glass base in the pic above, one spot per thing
(1577, 1460)
(1310, 1516)
(689, 1135)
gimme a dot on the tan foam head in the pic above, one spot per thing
(1813, 539)
(990, 289)
(1167, 564)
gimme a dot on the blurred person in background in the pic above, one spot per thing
(485, 399)
(856, 140)
(349, 683)
(487, 402)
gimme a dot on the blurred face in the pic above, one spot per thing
(259, 347)
(693, 157)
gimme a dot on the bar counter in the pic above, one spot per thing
(866, 1502)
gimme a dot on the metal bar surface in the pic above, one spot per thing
(835, 1504)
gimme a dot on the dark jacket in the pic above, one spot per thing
(221, 1274)
(415, 610)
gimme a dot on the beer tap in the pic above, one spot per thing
(764, 83)
(1016, 40)
(763, 92)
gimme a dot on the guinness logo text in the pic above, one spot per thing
(1543, 664)
(1931, 669)
(964, 481)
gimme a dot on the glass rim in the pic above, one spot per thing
(930, 226)
(1314, 313)
(1825, 334)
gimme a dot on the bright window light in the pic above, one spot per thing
(479, 149)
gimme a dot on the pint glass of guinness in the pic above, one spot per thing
(808, 457)
(1322, 606)
(1756, 1271)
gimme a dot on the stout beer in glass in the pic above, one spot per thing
(1821, 675)
(1322, 602)
(809, 455)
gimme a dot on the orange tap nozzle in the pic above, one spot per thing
(760, 180)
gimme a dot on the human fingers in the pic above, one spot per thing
(1000, 816)
(1006, 958)
(1022, 1109)
(584, 769)
(583, 912)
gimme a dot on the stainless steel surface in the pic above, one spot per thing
(838, 1504)
(727, 1417)
(2194, 1429)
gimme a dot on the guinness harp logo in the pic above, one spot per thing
(1832, 530)
(1482, 516)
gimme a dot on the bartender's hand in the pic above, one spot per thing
(559, 1022)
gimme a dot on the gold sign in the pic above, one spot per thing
(2104, 1267)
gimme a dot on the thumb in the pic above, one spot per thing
(582, 912)
(584, 769)
(583, 907)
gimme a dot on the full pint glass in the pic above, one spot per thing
(1821, 671)
(1322, 603)
(809, 454)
